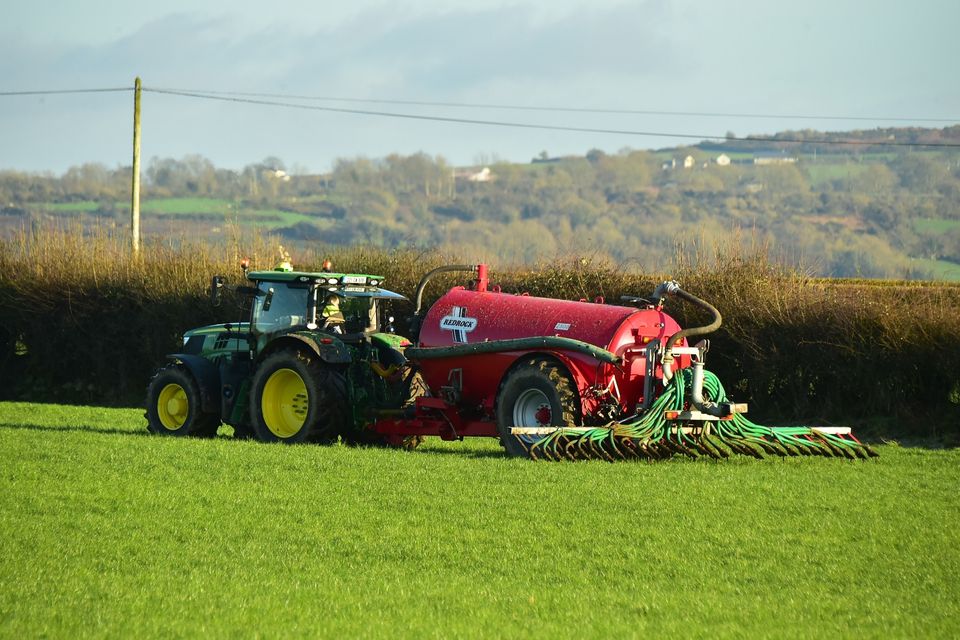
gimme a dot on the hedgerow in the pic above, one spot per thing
(83, 320)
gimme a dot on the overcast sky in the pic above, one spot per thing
(859, 59)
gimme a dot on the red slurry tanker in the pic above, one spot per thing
(549, 378)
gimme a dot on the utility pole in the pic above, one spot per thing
(135, 195)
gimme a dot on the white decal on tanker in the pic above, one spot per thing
(459, 323)
(562, 326)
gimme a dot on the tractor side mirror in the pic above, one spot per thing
(216, 290)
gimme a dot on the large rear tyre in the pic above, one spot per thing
(295, 398)
(174, 407)
(538, 393)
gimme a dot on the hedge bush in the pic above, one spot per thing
(82, 321)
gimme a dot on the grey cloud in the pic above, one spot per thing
(432, 57)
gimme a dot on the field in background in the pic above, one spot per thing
(936, 225)
(942, 269)
(207, 215)
(106, 531)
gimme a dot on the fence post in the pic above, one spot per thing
(135, 196)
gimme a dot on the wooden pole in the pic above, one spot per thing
(135, 196)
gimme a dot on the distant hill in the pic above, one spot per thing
(836, 209)
(809, 141)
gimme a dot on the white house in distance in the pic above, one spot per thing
(689, 162)
(484, 175)
(772, 157)
(277, 174)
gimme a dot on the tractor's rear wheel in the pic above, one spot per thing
(174, 406)
(537, 393)
(296, 398)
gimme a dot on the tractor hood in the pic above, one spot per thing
(214, 338)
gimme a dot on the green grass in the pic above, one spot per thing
(820, 172)
(265, 218)
(941, 269)
(105, 531)
(85, 206)
(276, 217)
(178, 206)
(935, 225)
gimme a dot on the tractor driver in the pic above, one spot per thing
(332, 316)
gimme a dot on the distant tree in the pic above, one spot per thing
(921, 173)
(595, 155)
(624, 173)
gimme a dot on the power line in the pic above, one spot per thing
(248, 98)
(478, 105)
(49, 92)
(529, 125)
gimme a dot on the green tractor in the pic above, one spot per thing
(316, 358)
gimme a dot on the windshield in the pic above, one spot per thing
(281, 306)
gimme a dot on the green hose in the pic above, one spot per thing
(652, 436)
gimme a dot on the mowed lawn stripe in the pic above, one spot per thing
(107, 531)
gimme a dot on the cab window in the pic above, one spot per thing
(284, 308)
(360, 314)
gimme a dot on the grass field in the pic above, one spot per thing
(106, 531)
(175, 206)
(86, 206)
(935, 225)
(822, 172)
(941, 269)
(247, 216)
(211, 207)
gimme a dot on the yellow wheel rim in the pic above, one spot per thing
(284, 403)
(173, 406)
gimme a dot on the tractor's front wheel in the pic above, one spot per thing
(538, 393)
(174, 407)
(295, 398)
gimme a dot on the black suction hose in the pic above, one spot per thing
(673, 288)
(429, 276)
(418, 299)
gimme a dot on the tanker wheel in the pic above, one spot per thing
(538, 393)
(174, 407)
(295, 398)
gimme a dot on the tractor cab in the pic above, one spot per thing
(288, 301)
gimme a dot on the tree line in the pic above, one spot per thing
(842, 214)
